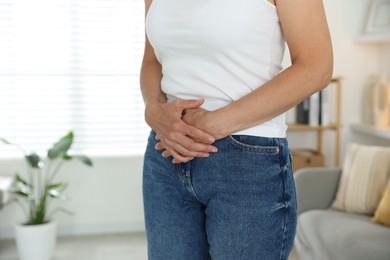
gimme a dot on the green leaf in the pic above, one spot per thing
(21, 194)
(63, 187)
(22, 188)
(84, 159)
(4, 141)
(61, 147)
(67, 157)
(54, 185)
(18, 178)
(33, 159)
(56, 194)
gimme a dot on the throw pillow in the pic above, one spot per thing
(382, 214)
(363, 180)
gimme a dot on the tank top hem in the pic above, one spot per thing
(262, 131)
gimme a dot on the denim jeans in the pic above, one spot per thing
(237, 204)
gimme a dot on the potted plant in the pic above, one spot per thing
(36, 237)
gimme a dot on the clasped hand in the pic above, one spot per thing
(184, 130)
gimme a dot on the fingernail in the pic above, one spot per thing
(214, 149)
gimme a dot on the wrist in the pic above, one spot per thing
(152, 110)
(220, 124)
(155, 100)
(225, 121)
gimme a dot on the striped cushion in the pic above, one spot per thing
(366, 171)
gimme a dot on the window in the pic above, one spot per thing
(72, 65)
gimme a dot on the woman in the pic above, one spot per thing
(217, 179)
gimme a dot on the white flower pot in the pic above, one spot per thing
(36, 242)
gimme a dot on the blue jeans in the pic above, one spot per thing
(237, 204)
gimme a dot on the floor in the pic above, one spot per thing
(98, 247)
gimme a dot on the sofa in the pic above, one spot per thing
(327, 234)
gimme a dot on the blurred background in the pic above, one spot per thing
(74, 65)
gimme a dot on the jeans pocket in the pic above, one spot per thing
(255, 143)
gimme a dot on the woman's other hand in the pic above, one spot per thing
(208, 121)
(182, 141)
(202, 119)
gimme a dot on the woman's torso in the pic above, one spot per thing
(219, 50)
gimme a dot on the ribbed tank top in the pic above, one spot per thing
(219, 50)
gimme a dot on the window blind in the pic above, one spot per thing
(72, 65)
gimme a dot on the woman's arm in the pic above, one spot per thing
(307, 35)
(183, 141)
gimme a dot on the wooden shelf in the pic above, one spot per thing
(371, 130)
(374, 38)
(319, 129)
(336, 79)
(302, 127)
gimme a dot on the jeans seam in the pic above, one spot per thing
(286, 205)
(186, 174)
(192, 191)
(284, 234)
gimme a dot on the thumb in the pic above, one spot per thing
(189, 103)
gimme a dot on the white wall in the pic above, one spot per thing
(354, 62)
(384, 59)
(107, 198)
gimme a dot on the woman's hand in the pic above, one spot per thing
(182, 141)
(208, 121)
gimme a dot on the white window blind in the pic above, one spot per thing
(72, 65)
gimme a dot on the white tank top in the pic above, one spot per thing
(219, 50)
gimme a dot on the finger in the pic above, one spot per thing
(159, 146)
(178, 158)
(188, 103)
(199, 135)
(166, 154)
(175, 161)
(187, 147)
